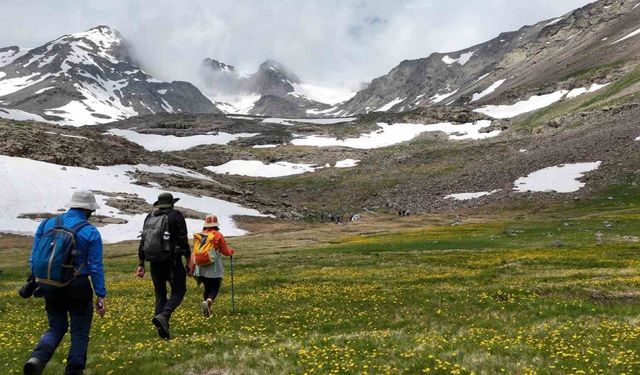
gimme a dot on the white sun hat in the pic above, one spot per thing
(83, 199)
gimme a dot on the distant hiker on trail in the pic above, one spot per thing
(66, 251)
(163, 243)
(208, 248)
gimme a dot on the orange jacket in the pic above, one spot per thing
(219, 242)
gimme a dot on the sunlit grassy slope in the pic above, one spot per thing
(556, 292)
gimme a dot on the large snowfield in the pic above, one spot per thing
(389, 135)
(155, 142)
(560, 178)
(30, 187)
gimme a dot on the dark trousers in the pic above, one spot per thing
(211, 287)
(72, 303)
(171, 272)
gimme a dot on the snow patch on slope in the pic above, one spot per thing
(347, 163)
(533, 103)
(488, 90)
(327, 95)
(554, 21)
(440, 97)
(584, 90)
(627, 37)
(21, 194)
(7, 57)
(257, 168)
(16, 114)
(469, 196)
(463, 59)
(389, 135)
(155, 142)
(11, 85)
(317, 121)
(237, 105)
(389, 105)
(560, 178)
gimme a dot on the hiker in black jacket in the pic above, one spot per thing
(166, 269)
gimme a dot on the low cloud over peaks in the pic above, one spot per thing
(325, 42)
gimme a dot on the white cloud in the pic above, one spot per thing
(327, 42)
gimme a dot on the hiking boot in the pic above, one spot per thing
(206, 310)
(162, 323)
(33, 367)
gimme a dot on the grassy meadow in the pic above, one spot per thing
(552, 293)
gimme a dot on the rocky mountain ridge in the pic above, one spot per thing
(87, 78)
(513, 66)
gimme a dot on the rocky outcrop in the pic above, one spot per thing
(285, 106)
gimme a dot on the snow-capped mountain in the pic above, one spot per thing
(273, 90)
(536, 59)
(87, 78)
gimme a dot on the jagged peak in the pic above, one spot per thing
(217, 66)
(270, 63)
(279, 68)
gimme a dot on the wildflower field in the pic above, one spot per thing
(554, 293)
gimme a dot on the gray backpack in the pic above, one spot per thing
(156, 244)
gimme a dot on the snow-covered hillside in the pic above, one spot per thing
(55, 184)
(87, 78)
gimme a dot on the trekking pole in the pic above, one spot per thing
(233, 304)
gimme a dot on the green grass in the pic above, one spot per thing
(588, 73)
(523, 295)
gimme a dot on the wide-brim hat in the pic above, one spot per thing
(83, 199)
(165, 200)
(211, 221)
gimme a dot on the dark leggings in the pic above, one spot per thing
(211, 287)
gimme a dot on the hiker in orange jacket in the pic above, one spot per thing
(211, 275)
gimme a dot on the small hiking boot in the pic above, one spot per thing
(162, 323)
(206, 310)
(33, 367)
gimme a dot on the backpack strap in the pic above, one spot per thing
(59, 223)
(74, 231)
(203, 238)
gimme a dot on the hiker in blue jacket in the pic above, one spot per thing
(73, 301)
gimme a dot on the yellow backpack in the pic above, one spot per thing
(204, 247)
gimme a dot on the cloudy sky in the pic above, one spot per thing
(327, 42)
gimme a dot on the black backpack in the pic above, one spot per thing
(156, 243)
